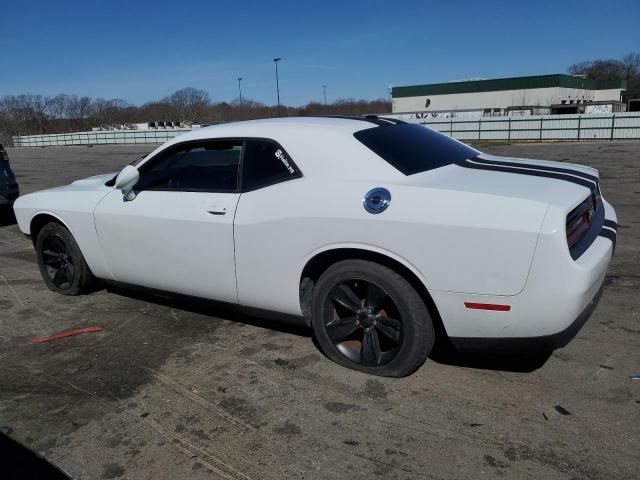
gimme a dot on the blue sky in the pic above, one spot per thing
(142, 50)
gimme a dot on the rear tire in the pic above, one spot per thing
(368, 318)
(61, 262)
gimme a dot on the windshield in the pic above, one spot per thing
(412, 148)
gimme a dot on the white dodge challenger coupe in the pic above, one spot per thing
(377, 233)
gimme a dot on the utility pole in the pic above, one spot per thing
(276, 60)
(324, 88)
(240, 88)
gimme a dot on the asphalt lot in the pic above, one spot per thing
(170, 390)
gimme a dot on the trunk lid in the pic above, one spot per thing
(553, 183)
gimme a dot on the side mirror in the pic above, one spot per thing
(126, 180)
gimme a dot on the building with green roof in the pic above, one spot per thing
(559, 91)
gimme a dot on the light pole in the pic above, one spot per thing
(240, 88)
(276, 60)
(324, 88)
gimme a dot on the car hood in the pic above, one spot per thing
(68, 202)
(94, 181)
(553, 183)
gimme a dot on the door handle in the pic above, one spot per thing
(217, 210)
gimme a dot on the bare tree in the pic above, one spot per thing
(611, 69)
(33, 114)
(189, 103)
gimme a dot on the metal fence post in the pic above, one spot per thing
(579, 120)
(541, 120)
(509, 132)
(451, 127)
(479, 128)
(613, 125)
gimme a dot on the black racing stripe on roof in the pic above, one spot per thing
(385, 120)
(393, 120)
(533, 173)
(538, 167)
(371, 119)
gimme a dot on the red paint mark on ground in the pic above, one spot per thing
(67, 333)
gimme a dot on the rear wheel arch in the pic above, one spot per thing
(320, 262)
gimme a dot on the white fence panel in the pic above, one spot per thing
(541, 128)
(108, 137)
(618, 126)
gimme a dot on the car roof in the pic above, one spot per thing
(320, 146)
(253, 128)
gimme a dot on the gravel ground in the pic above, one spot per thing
(174, 390)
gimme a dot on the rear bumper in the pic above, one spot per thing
(559, 295)
(544, 343)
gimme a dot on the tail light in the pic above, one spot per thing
(578, 221)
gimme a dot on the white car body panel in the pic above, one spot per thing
(73, 206)
(549, 303)
(195, 256)
(469, 235)
(261, 215)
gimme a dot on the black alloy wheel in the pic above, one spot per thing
(61, 262)
(367, 317)
(363, 322)
(58, 262)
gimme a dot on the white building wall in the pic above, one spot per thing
(500, 99)
(603, 95)
(475, 100)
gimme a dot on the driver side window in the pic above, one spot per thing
(210, 166)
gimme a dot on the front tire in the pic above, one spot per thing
(61, 262)
(368, 318)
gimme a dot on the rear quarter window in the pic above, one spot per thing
(266, 163)
(412, 148)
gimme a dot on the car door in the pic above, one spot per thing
(267, 228)
(177, 233)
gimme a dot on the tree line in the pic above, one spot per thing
(29, 114)
(627, 68)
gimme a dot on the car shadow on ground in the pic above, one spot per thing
(444, 353)
(224, 311)
(18, 462)
(7, 217)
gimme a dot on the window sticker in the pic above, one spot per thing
(285, 161)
